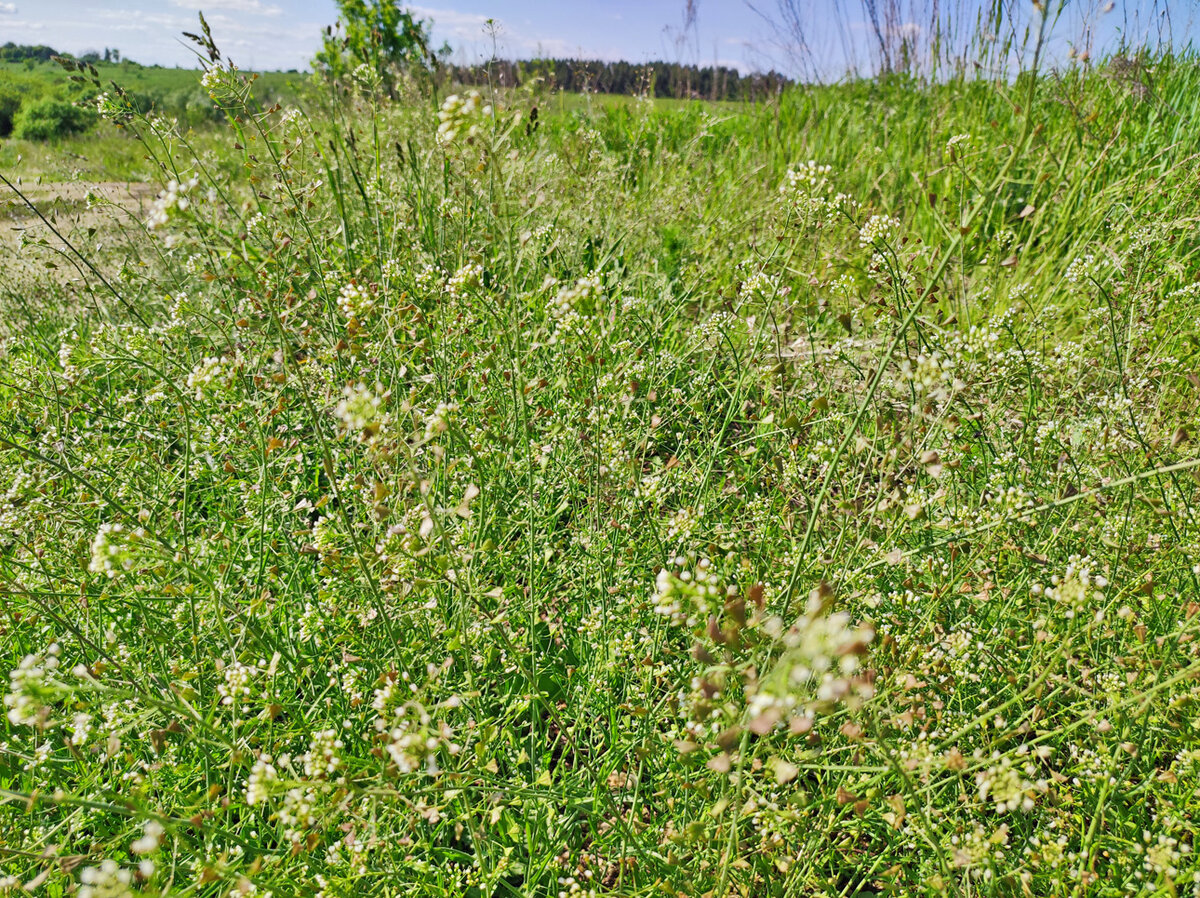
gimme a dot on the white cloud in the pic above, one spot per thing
(255, 7)
(451, 22)
(8, 9)
(155, 37)
(471, 35)
(906, 31)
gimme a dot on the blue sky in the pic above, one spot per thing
(285, 33)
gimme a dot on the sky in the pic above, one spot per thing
(269, 34)
(284, 34)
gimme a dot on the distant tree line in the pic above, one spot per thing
(11, 52)
(658, 79)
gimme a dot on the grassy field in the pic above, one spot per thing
(102, 153)
(632, 499)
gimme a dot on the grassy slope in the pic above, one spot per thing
(615, 521)
(104, 153)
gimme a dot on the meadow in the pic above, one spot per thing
(510, 494)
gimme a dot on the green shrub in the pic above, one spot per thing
(48, 119)
(10, 102)
(15, 88)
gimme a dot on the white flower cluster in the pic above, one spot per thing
(975, 848)
(173, 199)
(1081, 268)
(570, 887)
(28, 690)
(687, 596)
(682, 524)
(411, 745)
(323, 756)
(113, 549)
(819, 665)
(81, 728)
(365, 74)
(413, 739)
(718, 325)
(931, 375)
(208, 373)
(298, 814)
(430, 279)
(1162, 855)
(806, 191)
(258, 784)
(356, 301)
(1077, 590)
(164, 128)
(807, 179)
(1006, 788)
(151, 838)
(110, 107)
(460, 116)
(572, 304)
(878, 229)
(217, 79)
(468, 277)
(956, 146)
(759, 283)
(106, 881)
(359, 409)
(238, 684)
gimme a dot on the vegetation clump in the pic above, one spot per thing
(421, 497)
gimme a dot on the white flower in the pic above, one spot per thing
(359, 409)
(237, 684)
(28, 686)
(113, 549)
(322, 758)
(106, 881)
(208, 373)
(439, 420)
(1081, 268)
(173, 199)
(355, 301)
(687, 595)
(459, 117)
(1005, 788)
(262, 775)
(152, 833)
(878, 229)
(807, 179)
(957, 145)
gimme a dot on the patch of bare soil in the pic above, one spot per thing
(54, 197)
(72, 208)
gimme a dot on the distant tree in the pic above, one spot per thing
(660, 79)
(11, 52)
(378, 34)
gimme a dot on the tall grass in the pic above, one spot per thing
(955, 38)
(616, 502)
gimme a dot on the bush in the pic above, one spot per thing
(49, 119)
(10, 102)
(15, 89)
